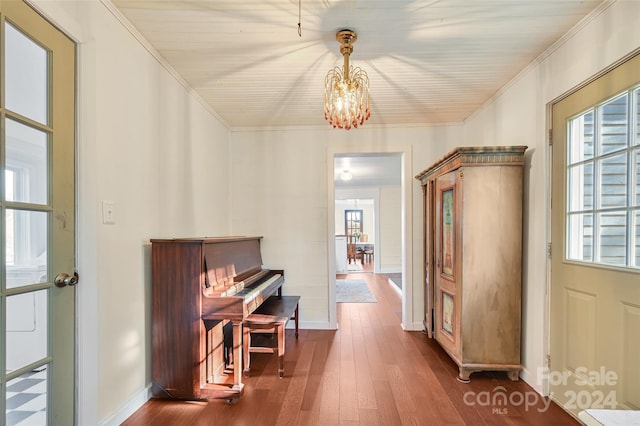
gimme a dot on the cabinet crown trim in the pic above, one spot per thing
(477, 155)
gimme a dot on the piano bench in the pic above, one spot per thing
(271, 317)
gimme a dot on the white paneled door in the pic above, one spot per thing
(595, 250)
(37, 219)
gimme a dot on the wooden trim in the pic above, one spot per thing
(475, 156)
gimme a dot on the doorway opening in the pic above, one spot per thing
(373, 183)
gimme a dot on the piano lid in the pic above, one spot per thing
(231, 260)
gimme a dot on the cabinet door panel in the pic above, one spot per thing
(447, 257)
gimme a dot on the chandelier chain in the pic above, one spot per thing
(299, 18)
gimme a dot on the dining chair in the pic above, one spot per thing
(368, 252)
(352, 250)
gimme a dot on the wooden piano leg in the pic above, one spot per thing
(246, 343)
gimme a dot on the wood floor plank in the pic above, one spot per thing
(366, 396)
(292, 402)
(166, 412)
(330, 398)
(311, 397)
(348, 391)
(387, 409)
(369, 417)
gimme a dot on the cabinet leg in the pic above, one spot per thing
(463, 375)
(514, 375)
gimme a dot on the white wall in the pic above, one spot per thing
(280, 192)
(150, 147)
(389, 248)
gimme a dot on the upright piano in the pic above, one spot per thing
(198, 285)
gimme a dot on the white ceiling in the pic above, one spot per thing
(368, 170)
(429, 61)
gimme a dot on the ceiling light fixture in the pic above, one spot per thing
(346, 175)
(346, 90)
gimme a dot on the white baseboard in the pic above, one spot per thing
(394, 287)
(416, 326)
(129, 408)
(391, 270)
(530, 378)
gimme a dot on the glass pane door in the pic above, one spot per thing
(594, 294)
(36, 219)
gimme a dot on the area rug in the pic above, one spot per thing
(353, 291)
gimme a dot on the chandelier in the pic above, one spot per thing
(346, 89)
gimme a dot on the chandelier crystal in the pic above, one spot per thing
(346, 89)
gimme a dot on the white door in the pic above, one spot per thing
(595, 262)
(37, 220)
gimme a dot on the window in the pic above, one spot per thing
(352, 222)
(603, 183)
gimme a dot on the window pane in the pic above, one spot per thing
(636, 95)
(637, 231)
(27, 328)
(26, 76)
(27, 399)
(581, 138)
(581, 187)
(26, 247)
(353, 221)
(613, 181)
(581, 237)
(613, 238)
(603, 183)
(613, 125)
(636, 178)
(27, 167)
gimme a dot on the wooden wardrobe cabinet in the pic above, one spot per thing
(473, 256)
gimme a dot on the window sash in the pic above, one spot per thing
(603, 183)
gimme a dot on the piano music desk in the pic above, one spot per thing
(271, 317)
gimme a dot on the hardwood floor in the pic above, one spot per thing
(368, 372)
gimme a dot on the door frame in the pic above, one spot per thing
(86, 398)
(408, 322)
(542, 376)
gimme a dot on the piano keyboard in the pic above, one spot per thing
(255, 295)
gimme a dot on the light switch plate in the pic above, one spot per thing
(108, 212)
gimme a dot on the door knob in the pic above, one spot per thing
(63, 279)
